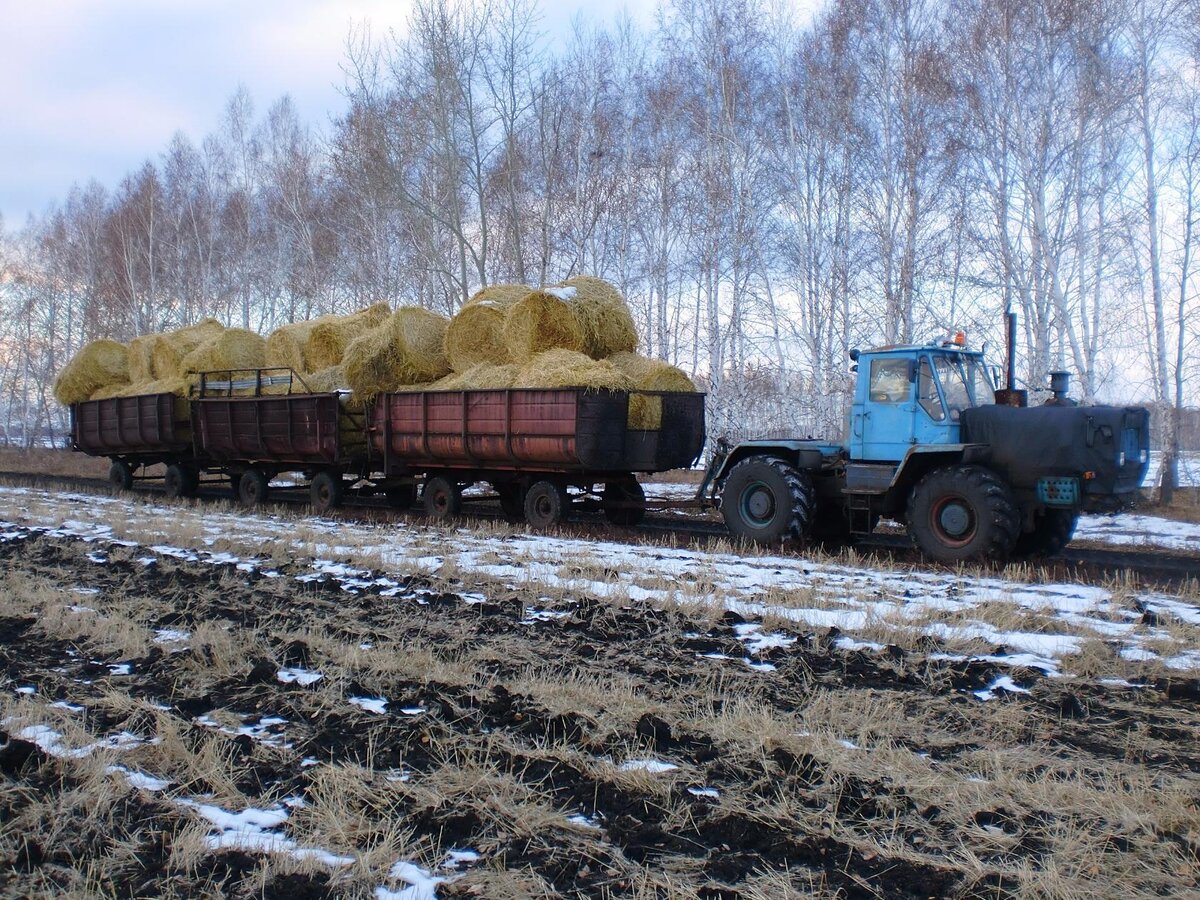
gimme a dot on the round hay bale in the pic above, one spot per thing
(285, 346)
(504, 294)
(233, 348)
(481, 377)
(328, 380)
(141, 359)
(329, 336)
(171, 347)
(538, 322)
(568, 368)
(110, 390)
(603, 315)
(407, 349)
(652, 374)
(96, 365)
(476, 335)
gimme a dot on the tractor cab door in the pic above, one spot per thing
(883, 419)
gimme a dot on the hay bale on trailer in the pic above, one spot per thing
(233, 348)
(476, 334)
(568, 368)
(329, 336)
(407, 349)
(285, 346)
(541, 321)
(480, 377)
(328, 380)
(603, 315)
(141, 359)
(166, 356)
(97, 365)
(645, 412)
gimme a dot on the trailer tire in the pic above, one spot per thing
(546, 504)
(766, 500)
(512, 501)
(180, 480)
(253, 487)
(963, 514)
(401, 496)
(325, 491)
(627, 492)
(442, 499)
(1052, 531)
(120, 475)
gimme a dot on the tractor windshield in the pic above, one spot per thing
(964, 382)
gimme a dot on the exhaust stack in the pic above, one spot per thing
(1009, 395)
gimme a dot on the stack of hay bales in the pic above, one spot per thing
(97, 366)
(406, 350)
(579, 333)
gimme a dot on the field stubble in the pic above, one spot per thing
(524, 738)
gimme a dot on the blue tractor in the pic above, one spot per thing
(974, 473)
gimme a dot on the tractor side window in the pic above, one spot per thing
(927, 392)
(954, 385)
(889, 381)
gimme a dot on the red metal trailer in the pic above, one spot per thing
(534, 446)
(138, 431)
(544, 451)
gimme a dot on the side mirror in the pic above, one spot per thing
(854, 354)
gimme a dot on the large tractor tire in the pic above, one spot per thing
(1052, 531)
(963, 514)
(767, 501)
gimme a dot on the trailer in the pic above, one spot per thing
(135, 432)
(545, 451)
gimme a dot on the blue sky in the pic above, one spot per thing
(91, 88)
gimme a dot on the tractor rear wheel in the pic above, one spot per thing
(767, 501)
(628, 500)
(442, 499)
(963, 514)
(1052, 531)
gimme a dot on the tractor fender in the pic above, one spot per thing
(810, 456)
(921, 460)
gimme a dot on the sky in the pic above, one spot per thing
(92, 88)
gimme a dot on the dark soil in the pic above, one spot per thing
(793, 812)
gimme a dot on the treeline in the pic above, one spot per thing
(767, 192)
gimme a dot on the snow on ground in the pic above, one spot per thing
(1012, 622)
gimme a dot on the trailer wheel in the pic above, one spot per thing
(546, 504)
(1052, 531)
(512, 503)
(629, 501)
(442, 498)
(325, 492)
(252, 489)
(402, 496)
(963, 514)
(120, 475)
(767, 501)
(180, 480)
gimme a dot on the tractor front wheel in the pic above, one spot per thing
(767, 501)
(963, 514)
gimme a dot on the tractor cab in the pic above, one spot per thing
(913, 396)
